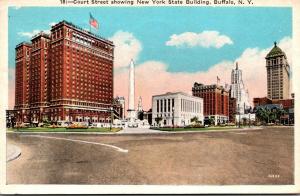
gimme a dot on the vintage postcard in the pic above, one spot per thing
(149, 96)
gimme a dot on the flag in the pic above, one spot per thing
(218, 79)
(93, 22)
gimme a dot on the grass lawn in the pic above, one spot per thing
(62, 129)
(196, 129)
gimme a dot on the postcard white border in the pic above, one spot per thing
(89, 189)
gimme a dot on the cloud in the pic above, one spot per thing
(11, 88)
(204, 39)
(153, 78)
(17, 7)
(32, 33)
(127, 47)
(52, 24)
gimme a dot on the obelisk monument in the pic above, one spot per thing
(131, 111)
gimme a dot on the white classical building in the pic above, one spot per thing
(238, 91)
(176, 109)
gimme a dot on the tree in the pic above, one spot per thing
(263, 114)
(278, 113)
(211, 121)
(194, 119)
(158, 119)
(269, 115)
(244, 120)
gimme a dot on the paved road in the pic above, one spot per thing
(262, 156)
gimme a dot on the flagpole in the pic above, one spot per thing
(90, 23)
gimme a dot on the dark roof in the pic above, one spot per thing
(270, 106)
(276, 51)
(41, 34)
(23, 43)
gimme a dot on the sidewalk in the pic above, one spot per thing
(12, 152)
(139, 131)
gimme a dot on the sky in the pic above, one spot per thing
(172, 47)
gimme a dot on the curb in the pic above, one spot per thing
(138, 133)
(12, 152)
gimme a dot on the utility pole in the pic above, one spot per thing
(239, 115)
(249, 119)
(173, 117)
(111, 118)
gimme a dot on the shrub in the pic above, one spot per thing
(194, 126)
(76, 126)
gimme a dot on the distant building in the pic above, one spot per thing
(148, 116)
(238, 91)
(232, 109)
(278, 74)
(257, 101)
(286, 104)
(10, 118)
(121, 102)
(216, 102)
(176, 109)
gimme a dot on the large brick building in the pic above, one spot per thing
(232, 109)
(23, 53)
(64, 76)
(216, 101)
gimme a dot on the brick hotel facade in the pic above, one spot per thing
(216, 102)
(64, 76)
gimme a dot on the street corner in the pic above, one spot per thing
(12, 152)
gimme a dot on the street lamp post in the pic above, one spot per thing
(239, 115)
(111, 110)
(18, 119)
(249, 119)
(173, 122)
(41, 116)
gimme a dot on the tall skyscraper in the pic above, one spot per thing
(278, 74)
(238, 91)
(65, 76)
(23, 53)
(39, 74)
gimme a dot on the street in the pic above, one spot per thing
(261, 156)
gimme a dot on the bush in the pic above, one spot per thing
(76, 126)
(194, 126)
(230, 124)
(52, 126)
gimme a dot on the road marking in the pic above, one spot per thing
(81, 141)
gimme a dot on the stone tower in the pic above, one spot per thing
(238, 90)
(278, 74)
